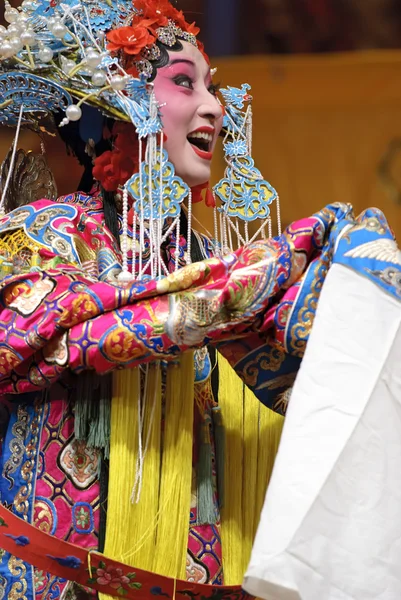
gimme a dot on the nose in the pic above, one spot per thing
(210, 107)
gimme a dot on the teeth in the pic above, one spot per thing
(202, 135)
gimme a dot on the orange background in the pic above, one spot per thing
(322, 126)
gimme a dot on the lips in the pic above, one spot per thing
(201, 141)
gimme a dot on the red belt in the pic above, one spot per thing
(96, 571)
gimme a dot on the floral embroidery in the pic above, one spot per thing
(82, 516)
(114, 578)
(39, 579)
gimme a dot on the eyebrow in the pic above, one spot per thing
(181, 60)
(188, 62)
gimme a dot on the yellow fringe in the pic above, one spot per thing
(176, 478)
(231, 402)
(252, 437)
(148, 506)
(123, 515)
(250, 482)
(270, 428)
(123, 457)
(143, 511)
(153, 533)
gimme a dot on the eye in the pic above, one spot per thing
(214, 88)
(184, 81)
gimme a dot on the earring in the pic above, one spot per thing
(244, 194)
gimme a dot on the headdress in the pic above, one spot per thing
(62, 55)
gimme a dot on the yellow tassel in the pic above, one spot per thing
(131, 525)
(146, 511)
(250, 483)
(123, 458)
(252, 438)
(176, 477)
(270, 428)
(143, 508)
(231, 403)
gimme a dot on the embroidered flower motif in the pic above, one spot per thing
(39, 579)
(114, 578)
(82, 518)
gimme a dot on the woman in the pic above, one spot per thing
(72, 312)
(64, 428)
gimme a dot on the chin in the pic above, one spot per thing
(195, 177)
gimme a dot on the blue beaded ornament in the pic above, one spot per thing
(164, 191)
(243, 191)
(36, 94)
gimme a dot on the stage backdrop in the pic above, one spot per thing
(327, 128)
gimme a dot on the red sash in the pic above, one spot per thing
(96, 571)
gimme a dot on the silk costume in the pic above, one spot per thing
(256, 305)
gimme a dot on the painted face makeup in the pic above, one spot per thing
(191, 115)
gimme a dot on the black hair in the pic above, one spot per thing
(71, 136)
(163, 59)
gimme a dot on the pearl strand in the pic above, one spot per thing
(189, 228)
(278, 209)
(125, 276)
(270, 229)
(141, 219)
(246, 232)
(216, 232)
(134, 243)
(249, 130)
(177, 245)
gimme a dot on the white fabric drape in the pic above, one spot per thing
(331, 525)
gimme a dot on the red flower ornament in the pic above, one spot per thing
(114, 167)
(131, 39)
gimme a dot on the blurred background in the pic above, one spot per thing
(326, 83)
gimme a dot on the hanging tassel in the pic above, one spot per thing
(219, 443)
(99, 424)
(270, 428)
(123, 456)
(206, 511)
(131, 525)
(142, 509)
(83, 403)
(230, 400)
(176, 471)
(92, 410)
(252, 438)
(250, 483)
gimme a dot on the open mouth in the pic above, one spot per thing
(201, 142)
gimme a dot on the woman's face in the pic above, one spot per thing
(191, 115)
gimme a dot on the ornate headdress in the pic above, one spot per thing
(60, 55)
(53, 51)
